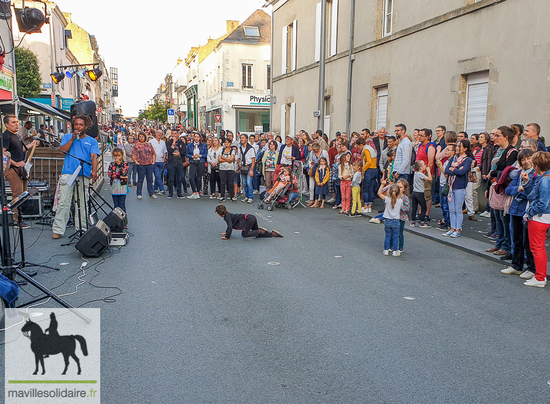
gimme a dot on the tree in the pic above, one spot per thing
(27, 73)
(157, 112)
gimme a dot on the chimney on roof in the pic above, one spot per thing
(232, 25)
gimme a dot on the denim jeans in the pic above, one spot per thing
(445, 208)
(435, 191)
(246, 180)
(158, 186)
(293, 196)
(132, 173)
(119, 201)
(455, 208)
(338, 198)
(401, 234)
(391, 228)
(503, 230)
(175, 172)
(147, 173)
(369, 185)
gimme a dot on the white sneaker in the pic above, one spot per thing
(374, 220)
(386, 252)
(527, 275)
(154, 196)
(485, 214)
(369, 210)
(533, 282)
(364, 210)
(331, 200)
(139, 197)
(396, 253)
(250, 200)
(510, 270)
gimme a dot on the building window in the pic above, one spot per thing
(268, 77)
(388, 13)
(247, 76)
(252, 31)
(288, 60)
(382, 107)
(477, 94)
(288, 119)
(331, 29)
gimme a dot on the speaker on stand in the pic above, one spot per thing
(95, 241)
(116, 220)
(86, 108)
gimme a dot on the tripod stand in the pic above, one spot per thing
(8, 268)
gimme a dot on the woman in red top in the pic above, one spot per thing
(144, 157)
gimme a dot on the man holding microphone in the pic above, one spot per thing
(85, 147)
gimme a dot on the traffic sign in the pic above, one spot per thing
(218, 118)
(170, 112)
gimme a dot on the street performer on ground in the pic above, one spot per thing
(80, 145)
(17, 149)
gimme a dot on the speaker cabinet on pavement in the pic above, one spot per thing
(116, 220)
(86, 108)
(95, 241)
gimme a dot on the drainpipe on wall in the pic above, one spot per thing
(271, 69)
(350, 65)
(321, 104)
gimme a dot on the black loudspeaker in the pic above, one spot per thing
(116, 220)
(95, 241)
(87, 108)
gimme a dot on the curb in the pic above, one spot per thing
(443, 241)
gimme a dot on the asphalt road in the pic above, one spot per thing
(202, 320)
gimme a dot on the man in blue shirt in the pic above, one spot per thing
(80, 145)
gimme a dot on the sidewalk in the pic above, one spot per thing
(472, 240)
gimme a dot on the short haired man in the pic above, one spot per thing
(462, 136)
(532, 131)
(17, 149)
(318, 137)
(176, 150)
(247, 159)
(426, 153)
(403, 153)
(160, 157)
(23, 132)
(365, 133)
(84, 147)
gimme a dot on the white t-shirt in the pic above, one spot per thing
(286, 156)
(392, 213)
(544, 218)
(160, 149)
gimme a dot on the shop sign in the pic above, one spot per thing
(66, 103)
(6, 82)
(46, 85)
(263, 101)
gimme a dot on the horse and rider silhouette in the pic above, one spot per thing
(44, 345)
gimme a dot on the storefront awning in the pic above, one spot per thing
(29, 105)
(250, 107)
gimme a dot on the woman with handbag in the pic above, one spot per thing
(213, 167)
(143, 155)
(517, 193)
(457, 172)
(505, 157)
(538, 215)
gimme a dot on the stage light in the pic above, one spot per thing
(95, 74)
(81, 73)
(70, 73)
(57, 77)
(30, 20)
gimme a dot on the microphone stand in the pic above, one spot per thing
(78, 233)
(10, 270)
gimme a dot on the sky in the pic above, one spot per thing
(144, 39)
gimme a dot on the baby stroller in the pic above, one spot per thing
(278, 196)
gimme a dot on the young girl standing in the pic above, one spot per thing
(118, 173)
(345, 174)
(322, 174)
(356, 189)
(403, 185)
(421, 173)
(393, 202)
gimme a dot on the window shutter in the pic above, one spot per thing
(382, 109)
(318, 33)
(283, 58)
(283, 121)
(477, 99)
(292, 119)
(334, 28)
(294, 38)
